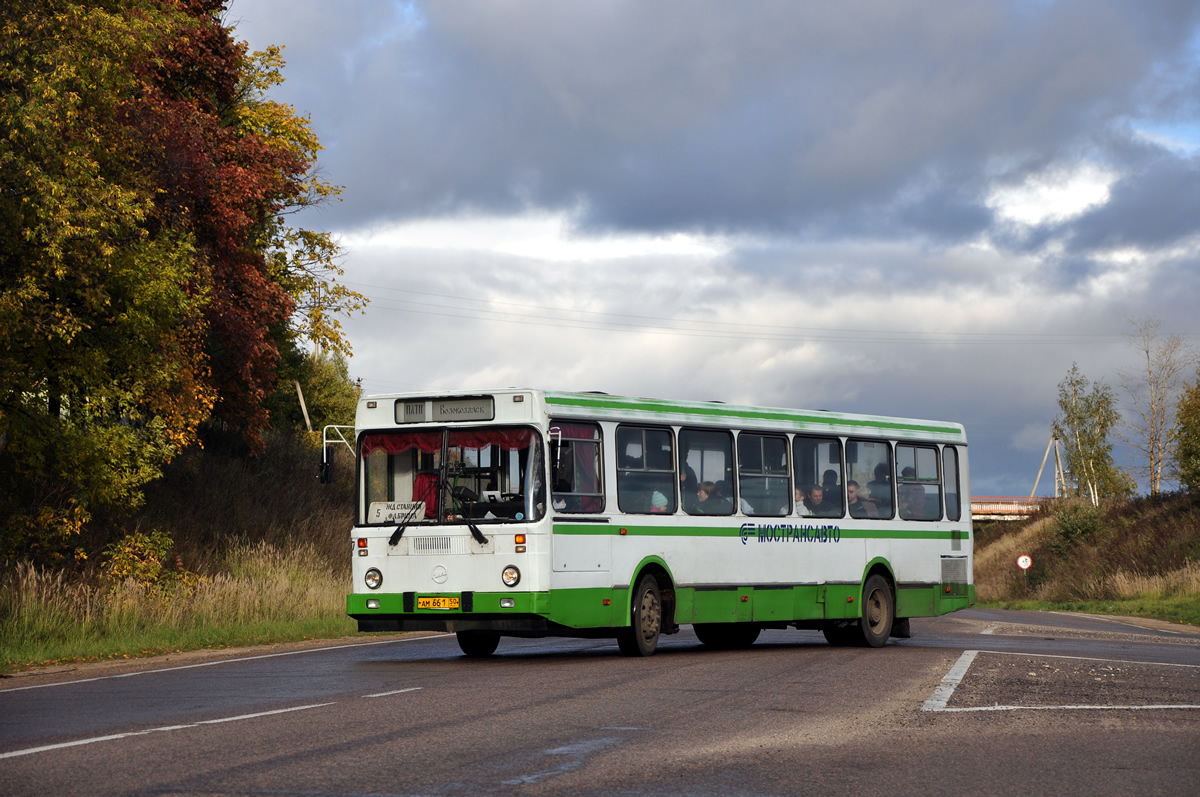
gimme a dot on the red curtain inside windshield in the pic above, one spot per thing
(481, 438)
(392, 443)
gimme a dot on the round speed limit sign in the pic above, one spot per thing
(1023, 561)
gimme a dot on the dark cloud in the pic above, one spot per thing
(1151, 209)
(702, 116)
(847, 159)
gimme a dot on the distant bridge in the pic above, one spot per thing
(990, 507)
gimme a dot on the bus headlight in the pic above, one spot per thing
(511, 576)
(373, 579)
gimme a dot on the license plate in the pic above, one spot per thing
(437, 603)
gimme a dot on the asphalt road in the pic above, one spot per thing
(984, 702)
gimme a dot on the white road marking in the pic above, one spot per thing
(1118, 622)
(1087, 658)
(397, 692)
(1065, 708)
(945, 690)
(111, 737)
(991, 629)
(220, 661)
(953, 678)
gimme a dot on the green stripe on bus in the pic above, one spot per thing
(618, 530)
(608, 607)
(663, 406)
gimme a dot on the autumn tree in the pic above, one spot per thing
(1087, 416)
(1154, 391)
(1187, 436)
(148, 276)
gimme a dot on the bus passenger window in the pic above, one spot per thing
(577, 464)
(919, 491)
(645, 470)
(869, 464)
(818, 473)
(950, 474)
(763, 475)
(710, 456)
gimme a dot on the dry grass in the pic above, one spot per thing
(1122, 585)
(1142, 554)
(46, 617)
(264, 548)
(995, 564)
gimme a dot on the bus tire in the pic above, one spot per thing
(478, 644)
(646, 614)
(726, 636)
(878, 612)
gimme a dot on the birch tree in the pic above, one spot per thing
(1087, 416)
(1154, 390)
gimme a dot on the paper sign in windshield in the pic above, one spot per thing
(395, 511)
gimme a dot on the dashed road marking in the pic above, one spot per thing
(397, 692)
(114, 736)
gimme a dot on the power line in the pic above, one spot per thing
(715, 329)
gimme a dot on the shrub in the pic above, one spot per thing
(1074, 522)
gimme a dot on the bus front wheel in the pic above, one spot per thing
(478, 644)
(641, 638)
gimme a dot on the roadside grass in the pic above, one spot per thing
(1139, 558)
(265, 595)
(1177, 609)
(256, 552)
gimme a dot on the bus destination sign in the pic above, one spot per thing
(474, 408)
(466, 409)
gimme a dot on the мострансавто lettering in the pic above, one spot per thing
(790, 532)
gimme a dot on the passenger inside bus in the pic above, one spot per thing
(880, 489)
(819, 506)
(801, 502)
(829, 482)
(860, 506)
(710, 502)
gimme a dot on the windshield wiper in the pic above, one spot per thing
(476, 533)
(399, 532)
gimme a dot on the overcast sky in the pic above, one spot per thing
(923, 209)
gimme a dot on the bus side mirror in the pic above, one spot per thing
(325, 468)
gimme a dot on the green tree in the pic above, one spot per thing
(148, 275)
(1086, 419)
(330, 395)
(1187, 436)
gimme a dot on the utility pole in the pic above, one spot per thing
(1060, 477)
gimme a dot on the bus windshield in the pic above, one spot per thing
(432, 476)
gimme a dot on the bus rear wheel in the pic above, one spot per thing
(875, 626)
(726, 636)
(879, 610)
(641, 638)
(478, 644)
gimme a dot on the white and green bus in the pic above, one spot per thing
(532, 513)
